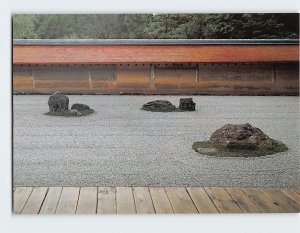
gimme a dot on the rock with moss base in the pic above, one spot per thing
(239, 141)
(58, 102)
(159, 106)
(241, 136)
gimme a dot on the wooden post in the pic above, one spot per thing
(90, 79)
(197, 73)
(33, 79)
(115, 76)
(152, 77)
(273, 73)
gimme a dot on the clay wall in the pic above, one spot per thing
(257, 78)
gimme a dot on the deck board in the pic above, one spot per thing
(143, 200)
(151, 200)
(262, 201)
(68, 201)
(35, 201)
(51, 201)
(293, 195)
(125, 201)
(21, 195)
(161, 201)
(107, 200)
(201, 200)
(87, 202)
(283, 201)
(223, 200)
(180, 200)
(243, 201)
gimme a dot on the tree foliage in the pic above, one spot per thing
(168, 26)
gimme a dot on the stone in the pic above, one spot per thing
(74, 112)
(187, 104)
(80, 107)
(58, 102)
(241, 136)
(159, 105)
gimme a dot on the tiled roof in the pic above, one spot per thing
(150, 41)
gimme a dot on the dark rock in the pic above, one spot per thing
(159, 105)
(58, 102)
(80, 107)
(242, 136)
(187, 104)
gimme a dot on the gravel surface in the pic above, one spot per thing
(121, 145)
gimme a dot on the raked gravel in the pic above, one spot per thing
(121, 145)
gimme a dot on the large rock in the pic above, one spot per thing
(159, 105)
(187, 104)
(80, 107)
(58, 102)
(242, 136)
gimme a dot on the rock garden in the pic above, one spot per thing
(59, 106)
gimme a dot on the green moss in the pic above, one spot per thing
(164, 110)
(69, 114)
(236, 152)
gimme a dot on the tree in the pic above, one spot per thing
(24, 27)
(157, 26)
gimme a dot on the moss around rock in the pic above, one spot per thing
(70, 113)
(239, 140)
(207, 148)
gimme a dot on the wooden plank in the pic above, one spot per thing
(143, 201)
(51, 201)
(262, 201)
(180, 200)
(125, 202)
(106, 200)
(243, 201)
(297, 191)
(21, 196)
(282, 200)
(68, 201)
(223, 200)
(292, 194)
(201, 200)
(161, 201)
(35, 200)
(87, 203)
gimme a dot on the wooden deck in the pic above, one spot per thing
(151, 200)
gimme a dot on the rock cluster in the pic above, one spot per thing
(59, 106)
(58, 102)
(241, 136)
(185, 104)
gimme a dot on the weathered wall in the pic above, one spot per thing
(177, 78)
(114, 54)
